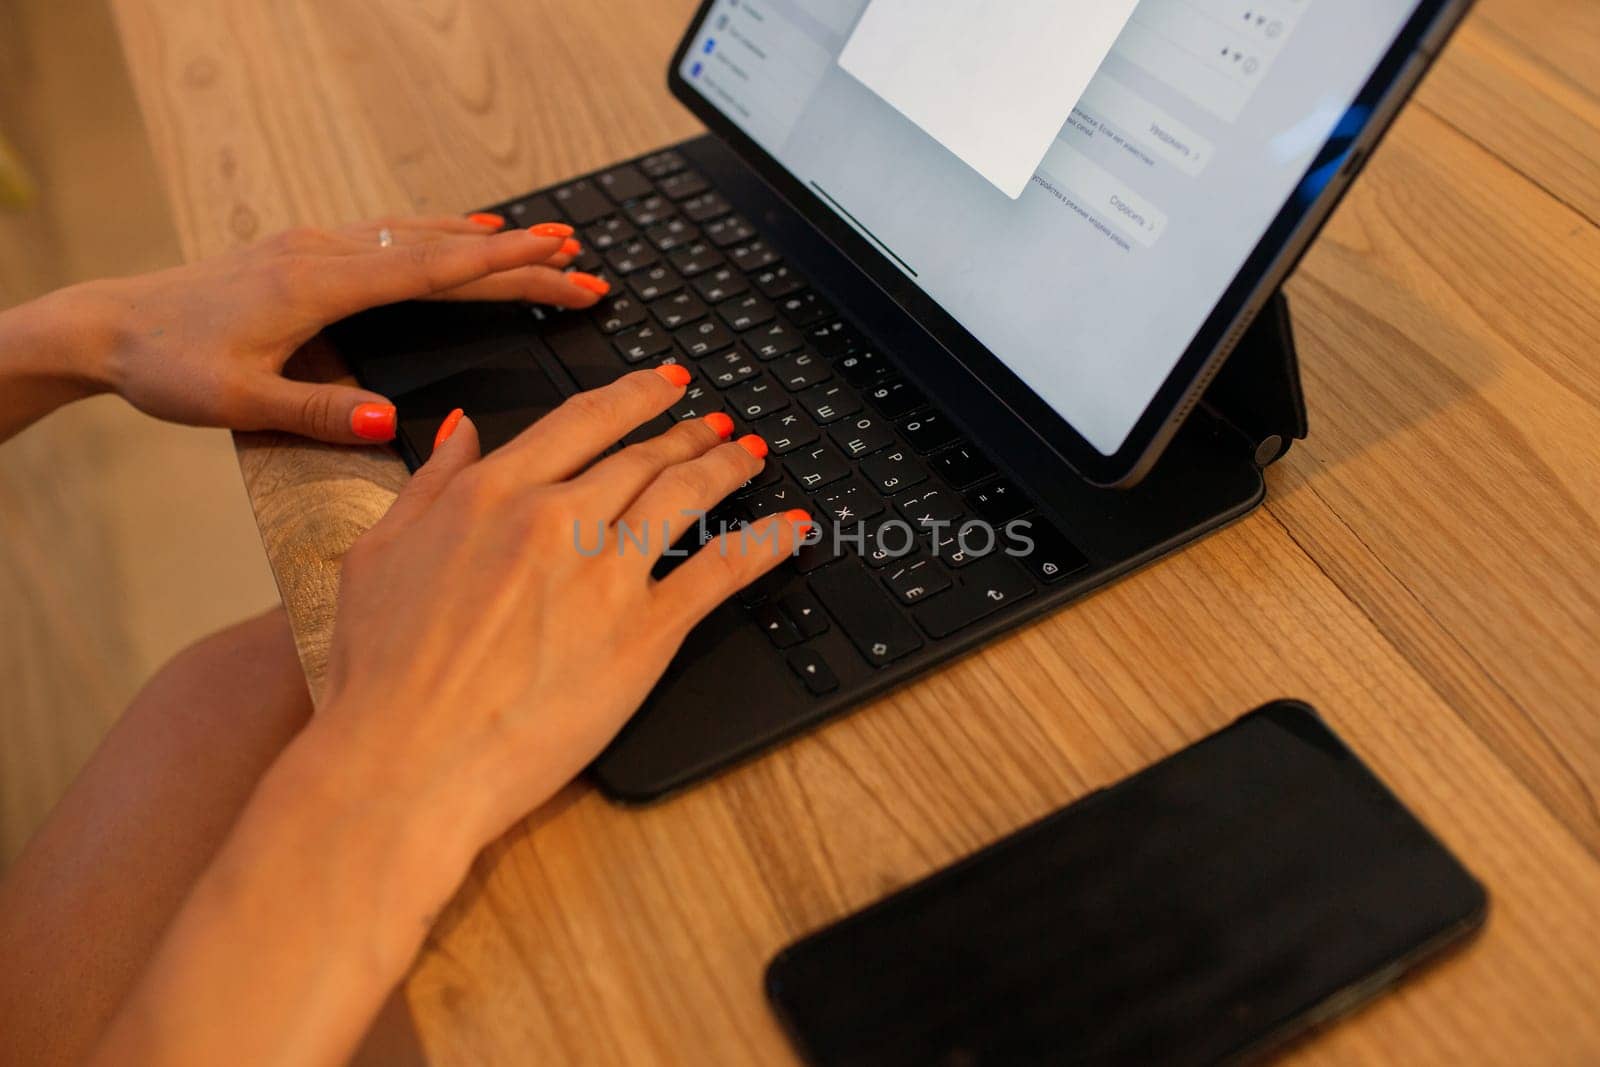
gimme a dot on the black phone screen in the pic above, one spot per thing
(1205, 909)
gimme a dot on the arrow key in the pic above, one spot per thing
(813, 670)
(804, 611)
(776, 625)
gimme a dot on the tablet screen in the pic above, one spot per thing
(1076, 182)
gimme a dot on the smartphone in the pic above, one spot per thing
(1209, 909)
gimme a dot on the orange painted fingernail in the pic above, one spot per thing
(487, 218)
(571, 247)
(588, 281)
(373, 422)
(802, 520)
(676, 375)
(753, 445)
(551, 229)
(447, 427)
(720, 423)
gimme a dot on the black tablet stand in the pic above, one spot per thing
(1257, 391)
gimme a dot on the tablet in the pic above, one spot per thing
(1086, 202)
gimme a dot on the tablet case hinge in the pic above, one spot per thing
(1257, 391)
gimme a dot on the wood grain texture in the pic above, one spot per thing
(1504, 94)
(1425, 571)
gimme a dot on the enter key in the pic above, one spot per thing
(986, 587)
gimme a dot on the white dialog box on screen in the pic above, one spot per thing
(991, 80)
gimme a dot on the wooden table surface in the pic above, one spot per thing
(1426, 570)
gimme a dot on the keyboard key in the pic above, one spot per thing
(729, 368)
(684, 184)
(778, 627)
(606, 235)
(520, 214)
(770, 474)
(773, 340)
(917, 580)
(777, 282)
(753, 256)
(582, 202)
(757, 399)
(962, 466)
(835, 339)
(1053, 557)
(893, 472)
(999, 501)
(694, 259)
(985, 588)
(802, 309)
(813, 671)
(863, 367)
(931, 508)
(817, 554)
(830, 403)
(816, 467)
(643, 343)
(928, 432)
(861, 435)
(726, 516)
(705, 207)
(745, 312)
(888, 541)
(801, 371)
(661, 164)
(964, 543)
(850, 503)
(625, 183)
(786, 432)
(679, 309)
(703, 338)
(804, 611)
(896, 399)
(699, 400)
(775, 499)
(618, 313)
(655, 283)
(723, 283)
(865, 613)
(635, 255)
(649, 211)
(670, 235)
(730, 230)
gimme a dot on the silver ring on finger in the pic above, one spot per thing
(385, 238)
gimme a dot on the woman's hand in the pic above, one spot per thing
(495, 631)
(205, 344)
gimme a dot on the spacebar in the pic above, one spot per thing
(865, 613)
(584, 352)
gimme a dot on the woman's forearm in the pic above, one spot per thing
(53, 351)
(307, 919)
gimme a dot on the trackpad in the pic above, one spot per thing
(503, 394)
